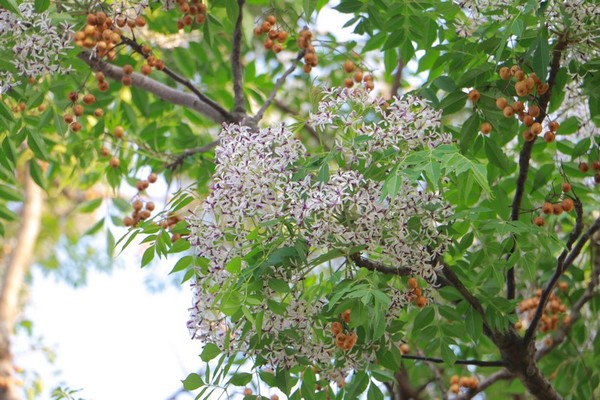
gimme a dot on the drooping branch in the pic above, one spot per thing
(278, 84)
(479, 363)
(236, 64)
(178, 159)
(160, 90)
(525, 155)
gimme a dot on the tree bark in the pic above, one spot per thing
(13, 276)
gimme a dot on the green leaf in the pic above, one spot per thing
(234, 265)
(182, 264)
(469, 131)
(448, 354)
(422, 320)
(37, 145)
(89, 206)
(374, 392)
(209, 352)
(9, 193)
(495, 155)
(453, 102)
(445, 83)
(474, 324)
(357, 385)
(240, 379)
(41, 5)
(148, 256)
(192, 382)
(581, 147)
(94, 228)
(10, 5)
(232, 10)
(541, 55)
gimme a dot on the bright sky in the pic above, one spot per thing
(113, 338)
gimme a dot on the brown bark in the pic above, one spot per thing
(13, 276)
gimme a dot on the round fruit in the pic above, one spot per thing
(547, 208)
(89, 98)
(454, 388)
(346, 315)
(68, 118)
(486, 128)
(282, 36)
(336, 327)
(247, 392)
(421, 301)
(454, 379)
(128, 221)
(412, 283)
(404, 348)
(78, 110)
(553, 126)
(152, 177)
(558, 209)
(140, 21)
(536, 128)
(583, 167)
(98, 112)
(528, 120)
(76, 126)
(100, 76)
(349, 66)
(265, 27)
(271, 19)
(528, 136)
(549, 137)
(119, 132)
(539, 221)
(596, 165)
(597, 178)
(277, 48)
(268, 44)
(103, 86)
(566, 187)
(73, 96)
(504, 73)
(501, 103)
(543, 88)
(146, 69)
(518, 106)
(126, 80)
(127, 69)
(508, 111)
(534, 111)
(114, 162)
(348, 82)
(358, 76)
(474, 95)
(567, 204)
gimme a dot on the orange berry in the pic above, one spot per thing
(583, 167)
(274, 397)
(529, 83)
(504, 73)
(501, 103)
(536, 128)
(126, 80)
(307, 68)
(146, 69)
(152, 177)
(421, 301)
(336, 327)
(247, 392)
(519, 75)
(137, 205)
(160, 65)
(282, 36)
(596, 165)
(68, 118)
(464, 381)
(404, 348)
(277, 48)
(518, 325)
(566, 187)
(349, 66)
(104, 152)
(271, 19)
(543, 88)
(265, 27)
(597, 178)
(412, 283)
(346, 315)
(558, 209)
(73, 96)
(518, 106)
(454, 388)
(89, 98)
(98, 112)
(474, 95)
(119, 132)
(486, 128)
(114, 162)
(273, 34)
(100, 76)
(549, 137)
(127, 69)
(508, 111)
(128, 221)
(140, 21)
(567, 204)
(103, 86)
(547, 208)
(78, 110)
(75, 126)
(348, 82)
(528, 136)
(553, 126)
(268, 44)
(358, 76)
(514, 69)
(539, 221)
(145, 214)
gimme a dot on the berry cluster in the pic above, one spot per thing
(467, 382)
(357, 77)
(77, 110)
(344, 341)
(275, 37)
(104, 34)
(584, 167)
(416, 293)
(192, 11)
(310, 57)
(554, 310)
(142, 210)
(170, 223)
(556, 208)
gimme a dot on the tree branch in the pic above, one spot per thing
(178, 160)
(489, 381)
(160, 90)
(397, 83)
(236, 65)
(564, 261)
(280, 81)
(479, 363)
(180, 79)
(525, 156)
(590, 291)
(375, 266)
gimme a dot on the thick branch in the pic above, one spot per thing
(397, 78)
(160, 90)
(236, 65)
(375, 266)
(13, 277)
(278, 84)
(561, 266)
(479, 363)
(525, 156)
(178, 160)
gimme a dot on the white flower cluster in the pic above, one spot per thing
(37, 45)
(263, 186)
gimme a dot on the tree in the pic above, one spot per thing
(428, 243)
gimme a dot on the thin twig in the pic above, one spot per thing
(180, 79)
(178, 160)
(483, 385)
(525, 156)
(236, 65)
(479, 363)
(261, 112)
(561, 266)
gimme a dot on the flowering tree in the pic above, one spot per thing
(347, 232)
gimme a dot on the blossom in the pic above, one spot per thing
(36, 44)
